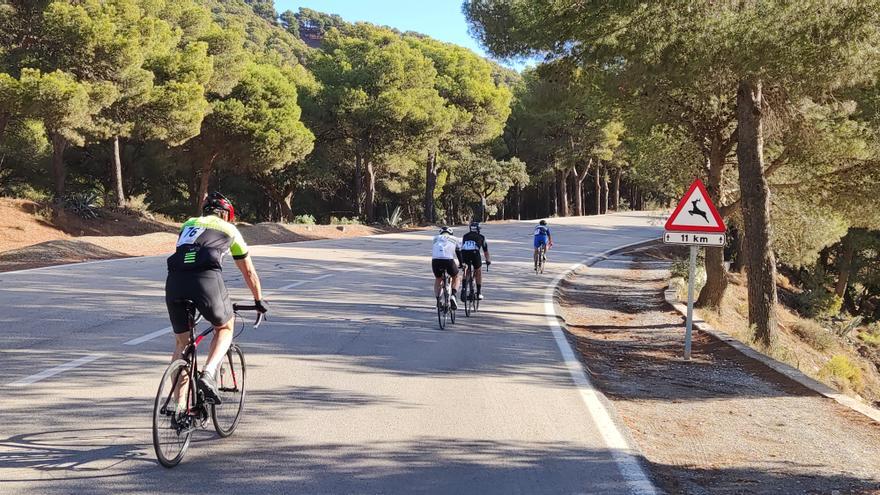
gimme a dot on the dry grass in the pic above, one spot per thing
(801, 343)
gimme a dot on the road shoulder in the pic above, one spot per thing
(722, 423)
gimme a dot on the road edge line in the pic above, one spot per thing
(625, 454)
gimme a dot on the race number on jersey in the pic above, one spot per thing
(189, 235)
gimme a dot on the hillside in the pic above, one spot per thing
(34, 235)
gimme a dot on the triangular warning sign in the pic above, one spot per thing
(696, 212)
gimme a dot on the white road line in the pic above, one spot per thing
(149, 336)
(323, 277)
(54, 371)
(295, 284)
(627, 461)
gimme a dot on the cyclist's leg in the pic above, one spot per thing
(437, 269)
(219, 346)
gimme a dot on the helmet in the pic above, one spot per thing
(474, 226)
(445, 230)
(543, 222)
(217, 202)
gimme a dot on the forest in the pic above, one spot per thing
(302, 117)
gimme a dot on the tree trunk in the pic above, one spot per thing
(430, 186)
(844, 265)
(562, 194)
(4, 120)
(370, 199)
(204, 182)
(519, 191)
(59, 171)
(553, 202)
(604, 190)
(755, 204)
(358, 181)
(117, 174)
(615, 190)
(716, 277)
(597, 188)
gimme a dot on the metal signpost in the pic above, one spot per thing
(695, 222)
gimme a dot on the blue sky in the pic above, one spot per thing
(440, 19)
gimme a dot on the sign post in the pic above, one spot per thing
(695, 222)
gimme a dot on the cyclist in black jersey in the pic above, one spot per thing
(471, 245)
(194, 274)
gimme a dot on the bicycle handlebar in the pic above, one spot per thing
(250, 307)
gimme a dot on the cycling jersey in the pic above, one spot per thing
(203, 242)
(474, 241)
(446, 247)
(542, 233)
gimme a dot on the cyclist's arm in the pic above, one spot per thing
(246, 266)
(549, 240)
(486, 252)
(458, 255)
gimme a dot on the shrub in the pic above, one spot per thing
(344, 221)
(814, 334)
(871, 335)
(395, 218)
(304, 219)
(138, 203)
(843, 372)
(818, 303)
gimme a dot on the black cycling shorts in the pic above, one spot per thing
(439, 266)
(206, 289)
(472, 258)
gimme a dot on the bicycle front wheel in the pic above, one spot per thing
(172, 425)
(231, 385)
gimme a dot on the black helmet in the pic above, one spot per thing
(445, 230)
(543, 222)
(218, 202)
(474, 226)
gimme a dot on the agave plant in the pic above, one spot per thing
(84, 204)
(395, 218)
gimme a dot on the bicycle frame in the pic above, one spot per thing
(190, 355)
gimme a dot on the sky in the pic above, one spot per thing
(439, 19)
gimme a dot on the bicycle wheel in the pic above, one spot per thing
(172, 427)
(231, 381)
(466, 294)
(441, 308)
(451, 313)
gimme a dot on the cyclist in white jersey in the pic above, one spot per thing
(444, 253)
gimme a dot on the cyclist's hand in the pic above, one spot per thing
(262, 305)
(461, 267)
(488, 262)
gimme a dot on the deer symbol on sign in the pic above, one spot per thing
(698, 211)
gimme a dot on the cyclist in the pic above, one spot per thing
(471, 244)
(542, 238)
(194, 273)
(445, 251)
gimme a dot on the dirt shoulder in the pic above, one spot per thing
(721, 423)
(32, 236)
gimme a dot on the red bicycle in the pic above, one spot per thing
(180, 407)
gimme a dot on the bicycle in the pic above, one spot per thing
(469, 295)
(175, 421)
(540, 257)
(444, 308)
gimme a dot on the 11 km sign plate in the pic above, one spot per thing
(694, 238)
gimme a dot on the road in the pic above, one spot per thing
(353, 388)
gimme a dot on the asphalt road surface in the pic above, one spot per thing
(352, 386)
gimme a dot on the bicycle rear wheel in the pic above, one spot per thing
(231, 384)
(442, 308)
(172, 425)
(466, 294)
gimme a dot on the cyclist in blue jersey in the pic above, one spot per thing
(542, 238)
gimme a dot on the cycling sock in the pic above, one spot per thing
(209, 370)
(454, 291)
(479, 288)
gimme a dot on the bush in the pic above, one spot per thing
(304, 220)
(138, 203)
(871, 335)
(814, 334)
(818, 303)
(344, 221)
(843, 372)
(680, 270)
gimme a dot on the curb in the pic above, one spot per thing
(781, 368)
(630, 460)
